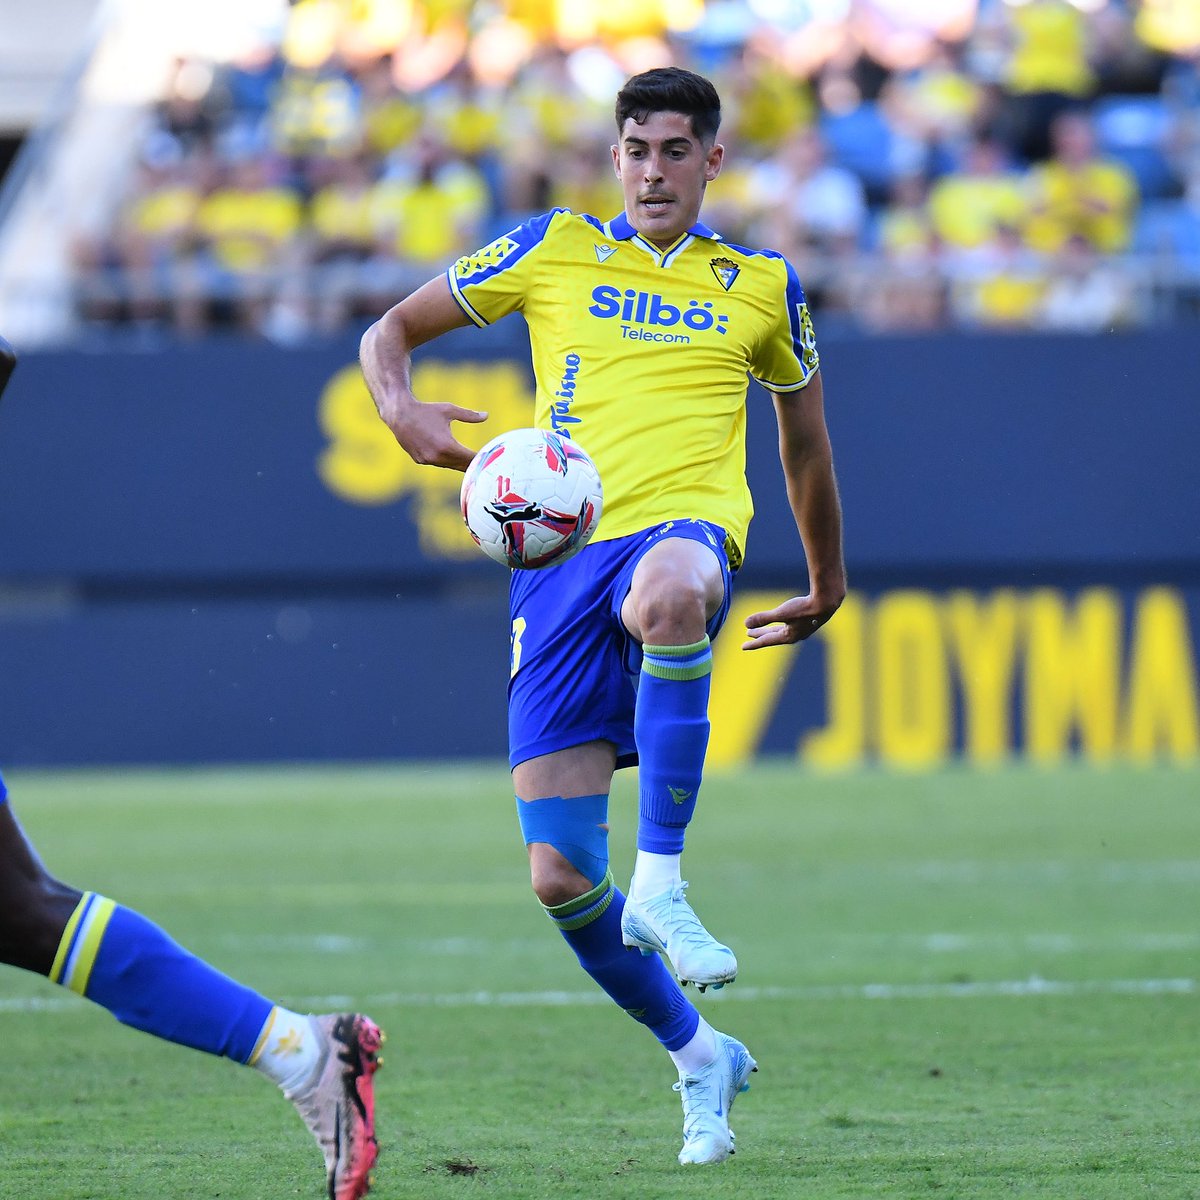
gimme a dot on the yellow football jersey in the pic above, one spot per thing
(643, 355)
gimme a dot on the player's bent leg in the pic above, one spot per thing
(676, 588)
(677, 585)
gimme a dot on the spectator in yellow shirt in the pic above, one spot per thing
(132, 271)
(966, 205)
(766, 103)
(1079, 193)
(390, 117)
(583, 181)
(316, 111)
(431, 214)
(249, 233)
(902, 286)
(341, 235)
(427, 212)
(1004, 284)
(1047, 70)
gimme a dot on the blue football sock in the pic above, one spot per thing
(670, 726)
(124, 963)
(641, 985)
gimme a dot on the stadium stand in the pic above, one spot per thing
(924, 165)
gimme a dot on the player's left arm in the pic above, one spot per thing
(807, 458)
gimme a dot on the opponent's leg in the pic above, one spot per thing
(677, 586)
(128, 965)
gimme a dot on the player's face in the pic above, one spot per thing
(664, 169)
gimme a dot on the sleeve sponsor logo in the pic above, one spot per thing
(808, 341)
(487, 259)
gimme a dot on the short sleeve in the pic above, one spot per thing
(494, 281)
(788, 357)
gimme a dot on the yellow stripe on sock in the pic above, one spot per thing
(261, 1044)
(84, 958)
(68, 935)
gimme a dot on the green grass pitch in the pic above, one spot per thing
(963, 984)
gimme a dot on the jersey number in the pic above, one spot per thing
(518, 629)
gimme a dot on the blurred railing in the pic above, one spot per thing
(864, 292)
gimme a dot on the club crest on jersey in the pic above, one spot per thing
(604, 253)
(726, 271)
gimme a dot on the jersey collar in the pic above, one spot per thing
(621, 229)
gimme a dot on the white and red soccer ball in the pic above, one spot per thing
(531, 498)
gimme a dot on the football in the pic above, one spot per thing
(531, 498)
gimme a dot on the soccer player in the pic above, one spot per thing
(123, 962)
(644, 329)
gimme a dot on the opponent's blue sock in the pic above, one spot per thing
(641, 985)
(125, 963)
(670, 726)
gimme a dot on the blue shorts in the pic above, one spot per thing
(3, 790)
(574, 665)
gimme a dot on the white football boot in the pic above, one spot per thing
(708, 1096)
(666, 924)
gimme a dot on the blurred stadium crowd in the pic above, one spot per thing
(952, 163)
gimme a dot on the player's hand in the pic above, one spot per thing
(793, 621)
(425, 433)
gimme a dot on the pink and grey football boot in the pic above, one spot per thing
(337, 1102)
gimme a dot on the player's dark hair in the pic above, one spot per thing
(671, 89)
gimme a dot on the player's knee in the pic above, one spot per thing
(670, 610)
(555, 881)
(568, 845)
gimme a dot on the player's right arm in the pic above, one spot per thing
(385, 352)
